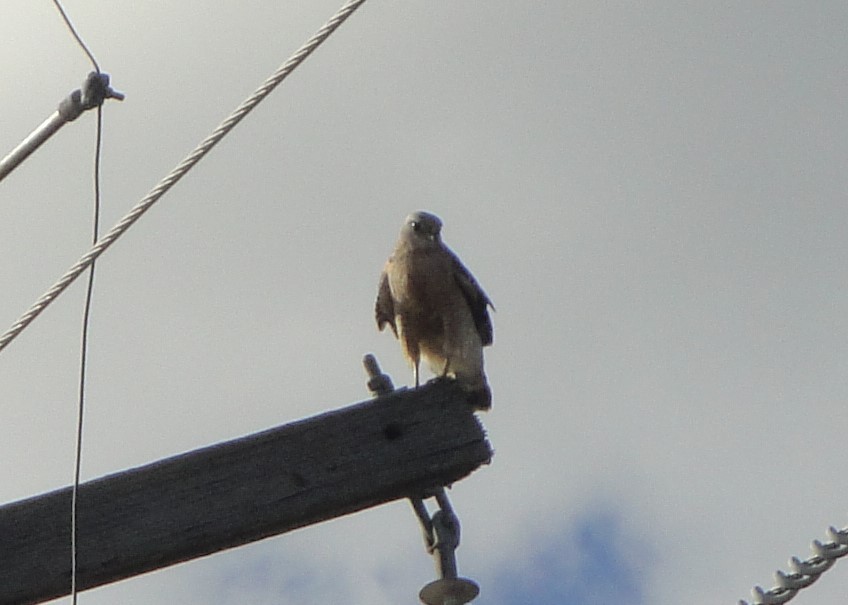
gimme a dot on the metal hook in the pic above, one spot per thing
(441, 536)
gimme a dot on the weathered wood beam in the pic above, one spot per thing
(240, 491)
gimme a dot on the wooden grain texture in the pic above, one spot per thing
(240, 491)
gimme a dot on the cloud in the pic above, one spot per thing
(594, 559)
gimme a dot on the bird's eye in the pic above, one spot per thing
(416, 226)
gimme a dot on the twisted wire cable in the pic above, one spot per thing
(803, 573)
(179, 171)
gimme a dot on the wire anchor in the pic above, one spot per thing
(93, 92)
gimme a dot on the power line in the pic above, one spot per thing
(804, 573)
(76, 36)
(86, 322)
(86, 315)
(178, 172)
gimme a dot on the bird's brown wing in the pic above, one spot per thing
(384, 309)
(477, 300)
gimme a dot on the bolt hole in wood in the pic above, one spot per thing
(393, 431)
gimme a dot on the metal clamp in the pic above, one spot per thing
(94, 91)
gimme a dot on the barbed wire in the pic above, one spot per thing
(804, 573)
(179, 171)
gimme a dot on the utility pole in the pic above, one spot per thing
(398, 445)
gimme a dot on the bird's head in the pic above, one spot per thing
(423, 226)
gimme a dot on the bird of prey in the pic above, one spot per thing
(436, 308)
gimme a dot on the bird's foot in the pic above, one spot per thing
(480, 398)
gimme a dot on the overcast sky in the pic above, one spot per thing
(652, 193)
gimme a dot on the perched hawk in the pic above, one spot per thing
(435, 308)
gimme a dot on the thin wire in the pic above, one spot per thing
(86, 312)
(84, 359)
(74, 33)
(178, 172)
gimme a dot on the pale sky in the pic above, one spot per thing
(652, 194)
